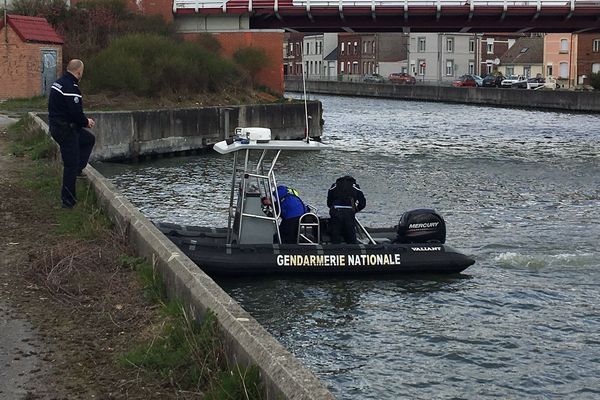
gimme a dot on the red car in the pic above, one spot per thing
(402, 78)
(465, 81)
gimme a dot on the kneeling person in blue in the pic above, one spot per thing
(292, 208)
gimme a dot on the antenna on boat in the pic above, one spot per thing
(304, 73)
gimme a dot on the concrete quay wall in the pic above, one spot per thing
(124, 135)
(519, 98)
(246, 341)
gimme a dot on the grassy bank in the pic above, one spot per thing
(117, 331)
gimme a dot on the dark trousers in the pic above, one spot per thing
(288, 229)
(75, 148)
(342, 225)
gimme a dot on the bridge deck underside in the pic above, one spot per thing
(417, 19)
(390, 23)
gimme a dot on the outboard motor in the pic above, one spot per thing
(421, 226)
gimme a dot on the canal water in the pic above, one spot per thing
(520, 191)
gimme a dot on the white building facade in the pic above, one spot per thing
(442, 57)
(316, 49)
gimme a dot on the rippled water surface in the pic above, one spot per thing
(520, 191)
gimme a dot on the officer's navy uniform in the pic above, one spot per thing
(292, 208)
(67, 120)
(344, 200)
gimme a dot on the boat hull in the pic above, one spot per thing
(208, 249)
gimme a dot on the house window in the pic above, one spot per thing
(290, 48)
(348, 67)
(549, 70)
(421, 67)
(450, 45)
(563, 72)
(355, 67)
(349, 47)
(510, 70)
(356, 48)
(564, 46)
(421, 45)
(373, 47)
(341, 66)
(342, 50)
(471, 66)
(527, 71)
(489, 68)
(307, 48)
(596, 68)
(449, 67)
(490, 46)
(471, 45)
(596, 46)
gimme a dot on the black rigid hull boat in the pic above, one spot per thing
(251, 242)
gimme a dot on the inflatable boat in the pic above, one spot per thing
(251, 245)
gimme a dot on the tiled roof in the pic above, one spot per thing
(526, 50)
(33, 29)
(331, 56)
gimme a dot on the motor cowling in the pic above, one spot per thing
(421, 226)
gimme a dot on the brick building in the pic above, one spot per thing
(292, 53)
(588, 56)
(30, 57)
(349, 54)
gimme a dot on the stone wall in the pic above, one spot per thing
(518, 98)
(131, 134)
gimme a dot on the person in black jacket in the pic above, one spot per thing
(67, 123)
(344, 200)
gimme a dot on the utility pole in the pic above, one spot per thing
(5, 23)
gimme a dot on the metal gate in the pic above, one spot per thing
(48, 70)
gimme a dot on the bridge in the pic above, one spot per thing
(405, 15)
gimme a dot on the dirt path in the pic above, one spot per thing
(65, 325)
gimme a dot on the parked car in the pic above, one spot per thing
(402, 78)
(478, 80)
(492, 80)
(511, 80)
(373, 78)
(531, 83)
(465, 81)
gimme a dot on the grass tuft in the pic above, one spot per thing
(186, 352)
(38, 103)
(154, 289)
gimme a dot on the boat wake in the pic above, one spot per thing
(540, 261)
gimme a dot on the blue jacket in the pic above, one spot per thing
(65, 103)
(291, 205)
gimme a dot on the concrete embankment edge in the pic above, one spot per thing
(246, 341)
(518, 98)
(138, 134)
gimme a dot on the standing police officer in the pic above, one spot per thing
(344, 200)
(67, 122)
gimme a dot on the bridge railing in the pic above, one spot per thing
(250, 6)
